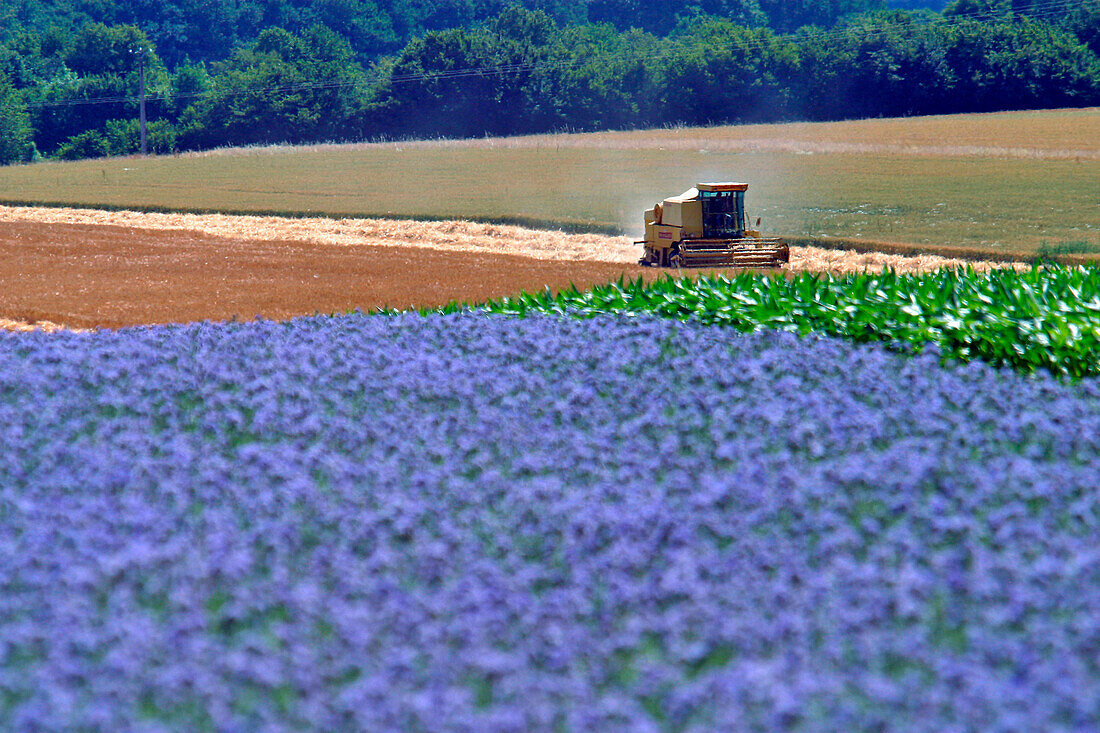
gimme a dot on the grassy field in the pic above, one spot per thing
(1068, 134)
(998, 183)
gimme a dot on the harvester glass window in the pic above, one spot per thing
(723, 213)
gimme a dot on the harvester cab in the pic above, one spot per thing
(705, 227)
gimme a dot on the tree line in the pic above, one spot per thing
(209, 30)
(534, 69)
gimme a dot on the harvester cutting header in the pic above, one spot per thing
(705, 227)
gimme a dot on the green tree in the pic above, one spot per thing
(718, 72)
(102, 84)
(1019, 65)
(188, 30)
(789, 15)
(123, 137)
(604, 79)
(997, 9)
(881, 65)
(88, 144)
(99, 49)
(284, 88)
(366, 27)
(662, 16)
(442, 84)
(16, 133)
(1084, 21)
(263, 71)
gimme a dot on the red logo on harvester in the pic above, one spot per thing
(664, 235)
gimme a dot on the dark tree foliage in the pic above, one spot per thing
(98, 49)
(1081, 18)
(788, 15)
(937, 5)
(88, 82)
(244, 72)
(284, 88)
(431, 85)
(16, 134)
(710, 71)
(718, 70)
(662, 16)
(211, 30)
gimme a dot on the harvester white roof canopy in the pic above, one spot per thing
(728, 186)
(689, 195)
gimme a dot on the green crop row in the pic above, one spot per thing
(1043, 318)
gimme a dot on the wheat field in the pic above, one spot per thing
(1006, 184)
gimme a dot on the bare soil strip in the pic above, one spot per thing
(67, 268)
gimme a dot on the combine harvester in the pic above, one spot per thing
(705, 227)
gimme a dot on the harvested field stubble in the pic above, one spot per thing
(102, 276)
(88, 268)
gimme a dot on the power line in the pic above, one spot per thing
(856, 32)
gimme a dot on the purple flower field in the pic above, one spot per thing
(483, 523)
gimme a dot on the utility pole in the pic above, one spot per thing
(141, 66)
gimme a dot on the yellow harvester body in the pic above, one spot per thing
(705, 227)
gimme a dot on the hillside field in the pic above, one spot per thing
(1002, 183)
